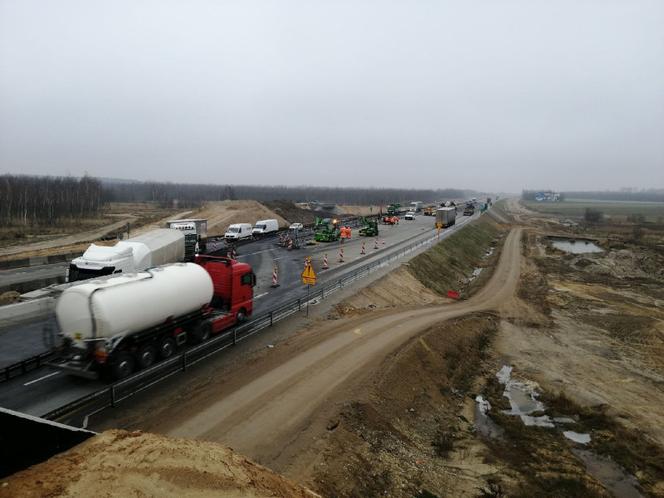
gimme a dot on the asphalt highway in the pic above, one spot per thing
(43, 390)
(31, 273)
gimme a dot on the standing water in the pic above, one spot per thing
(575, 246)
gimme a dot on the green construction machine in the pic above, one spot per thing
(393, 209)
(369, 228)
(326, 230)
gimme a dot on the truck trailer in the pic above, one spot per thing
(115, 326)
(154, 248)
(195, 233)
(445, 217)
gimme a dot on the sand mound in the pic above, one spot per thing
(223, 213)
(120, 463)
(397, 288)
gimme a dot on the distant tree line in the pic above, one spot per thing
(645, 195)
(650, 195)
(32, 200)
(188, 195)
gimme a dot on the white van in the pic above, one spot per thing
(238, 231)
(263, 227)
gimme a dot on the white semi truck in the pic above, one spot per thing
(154, 248)
(195, 234)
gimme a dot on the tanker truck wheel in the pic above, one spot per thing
(200, 333)
(241, 316)
(122, 366)
(166, 347)
(146, 356)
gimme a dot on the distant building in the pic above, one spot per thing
(547, 196)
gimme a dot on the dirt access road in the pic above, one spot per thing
(265, 412)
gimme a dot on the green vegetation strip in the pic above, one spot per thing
(652, 211)
(447, 265)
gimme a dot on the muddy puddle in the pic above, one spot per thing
(611, 475)
(486, 427)
(524, 403)
(575, 246)
(523, 400)
(475, 274)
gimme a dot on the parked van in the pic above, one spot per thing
(263, 227)
(238, 231)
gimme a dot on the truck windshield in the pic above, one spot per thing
(234, 229)
(261, 227)
(76, 273)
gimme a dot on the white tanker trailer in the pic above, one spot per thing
(127, 322)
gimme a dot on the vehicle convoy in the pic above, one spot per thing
(115, 326)
(154, 248)
(195, 232)
(264, 227)
(326, 230)
(445, 217)
(369, 227)
(238, 231)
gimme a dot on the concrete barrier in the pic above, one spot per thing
(26, 440)
(40, 283)
(26, 309)
(38, 260)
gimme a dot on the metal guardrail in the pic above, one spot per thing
(115, 393)
(24, 366)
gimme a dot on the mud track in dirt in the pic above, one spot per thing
(262, 412)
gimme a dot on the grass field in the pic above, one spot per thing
(575, 208)
(447, 265)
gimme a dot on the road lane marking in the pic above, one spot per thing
(253, 253)
(41, 378)
(261, 295)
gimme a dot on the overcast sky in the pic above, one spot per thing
(491, 95)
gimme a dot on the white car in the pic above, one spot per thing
(409, 216)
(296, 226)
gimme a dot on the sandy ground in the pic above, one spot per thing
(379, 399)
(122, 464)
(397, 288)
(42, 248)
(358, 210)
(161, 223)
(590, 328)
(272, 410)
(219, 216)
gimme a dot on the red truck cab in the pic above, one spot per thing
(233, 296)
